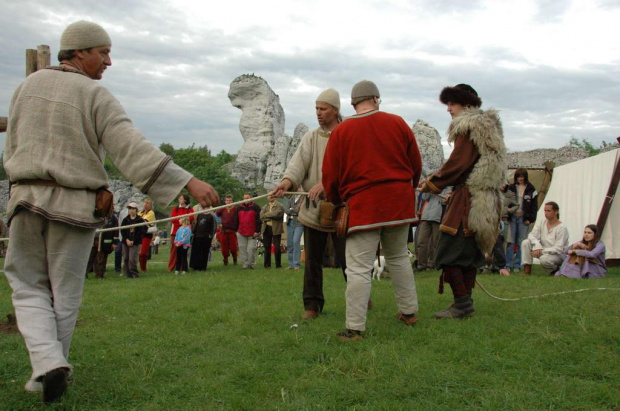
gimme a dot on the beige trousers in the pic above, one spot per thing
(360, 255)
(550, 262)
(45, 267)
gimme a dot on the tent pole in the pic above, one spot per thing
(609, 198)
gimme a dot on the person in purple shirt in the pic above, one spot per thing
(585, 258)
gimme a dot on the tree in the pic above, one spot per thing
(204, 166)
(589, 147)
(3, 175)
(167, 149)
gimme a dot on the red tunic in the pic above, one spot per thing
(177, 211)
(372, 162)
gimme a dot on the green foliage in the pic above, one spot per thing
(200, 162)
(592, 151)
(221, 340)
(3, 175)
(111, 170)
(167, 148)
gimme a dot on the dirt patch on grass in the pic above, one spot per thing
(9, 326)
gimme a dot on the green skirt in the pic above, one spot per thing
(458, 251)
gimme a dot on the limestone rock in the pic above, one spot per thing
(125, 192)
(429, 143)
(282, 152)
(537, 158)
(298, 134)
(261, 126)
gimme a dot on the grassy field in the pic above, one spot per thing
(223, 340)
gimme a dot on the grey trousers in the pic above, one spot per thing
(247, 250)
(360, 256)
(426, 244)
(130, 260)
(45, 267)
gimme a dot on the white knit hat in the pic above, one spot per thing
(331, 97)
(84, 35)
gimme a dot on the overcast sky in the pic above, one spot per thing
(550, 66)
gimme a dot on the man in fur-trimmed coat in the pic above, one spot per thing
(476, 168)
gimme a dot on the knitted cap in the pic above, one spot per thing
(364, 90)
(331, 97)
(84, 35)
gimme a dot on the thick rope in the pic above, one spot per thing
(543, 295)
(210, 210)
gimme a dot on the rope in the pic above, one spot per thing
(542, 295)
(210, 210)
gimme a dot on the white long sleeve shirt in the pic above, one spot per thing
(550, 241)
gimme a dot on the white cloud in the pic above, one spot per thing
(551, 67)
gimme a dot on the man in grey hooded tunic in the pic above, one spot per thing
(61, 125)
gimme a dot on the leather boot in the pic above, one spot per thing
(527, 269)
(462, 307)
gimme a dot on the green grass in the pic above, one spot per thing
(222, 340)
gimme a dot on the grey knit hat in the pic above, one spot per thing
(84, 35)
(364, 90)
(331, 97)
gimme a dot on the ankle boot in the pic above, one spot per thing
(527, 269)
(462, 307)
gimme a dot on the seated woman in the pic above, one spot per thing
(586, 258)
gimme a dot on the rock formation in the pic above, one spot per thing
(429, 142)
(266, 151)
(261, 126)
(537, 158)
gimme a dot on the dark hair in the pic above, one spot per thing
(186, 198)
(521, 172)
(463, 94)
(591, 244)
(554, 206)
(228, 196)
(68, 54)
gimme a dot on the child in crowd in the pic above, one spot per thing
(182, 241)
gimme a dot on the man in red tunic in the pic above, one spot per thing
(372, 163)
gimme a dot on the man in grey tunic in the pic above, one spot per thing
(61, 125)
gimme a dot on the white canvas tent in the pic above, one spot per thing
(580, 189)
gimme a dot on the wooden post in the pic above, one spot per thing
(31, 61)
(609, 198)
(43, 56)
(35, 60)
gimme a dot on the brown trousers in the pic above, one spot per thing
(315, 242)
